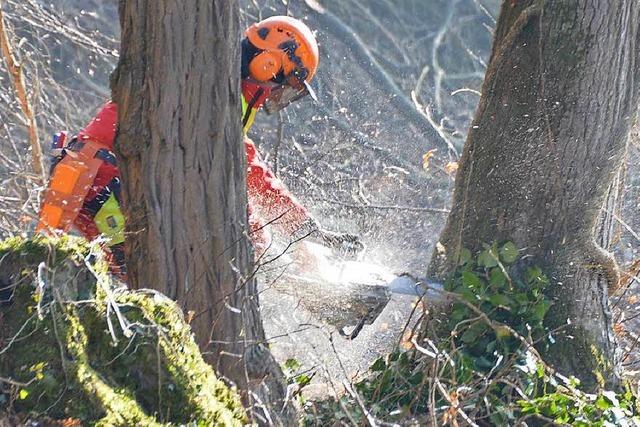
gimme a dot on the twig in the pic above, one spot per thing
(466, 89)
(437, 69)
(363, 55)
(455, 406)
(370, 419)
(426, 113)
(15, 69)
(16, 383)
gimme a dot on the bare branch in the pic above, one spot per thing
(15, 69)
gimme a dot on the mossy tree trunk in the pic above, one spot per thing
(183, 169)
(542, 161)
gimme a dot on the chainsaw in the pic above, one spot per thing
(349, 294)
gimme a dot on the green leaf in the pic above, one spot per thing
(482, 363)
(302, 380)
(498, 419)
(469, 296)
(502, 332)
(533, 275)
(292, 364)
(541, 308)
(611, 397)
(458, 312)
(471, 280)
(497, 277)
(509, 253)
(416, 378)
(465, 257)
(528, 407)
(521, 298)
(469, 336)
(378, 365)
(540, 370)
(487, 259)
(500, 300)
(386, 382)
(602, 403)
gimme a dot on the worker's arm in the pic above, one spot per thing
(283, 211)
(268, 194)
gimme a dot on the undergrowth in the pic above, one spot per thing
(482, 365)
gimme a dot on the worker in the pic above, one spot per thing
(279, 59)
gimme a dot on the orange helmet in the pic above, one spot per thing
(289, 52)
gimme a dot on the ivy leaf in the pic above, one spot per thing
(497, 277)
(292, 364)
(521, 298)
(302, 380)
(378, 365)
(487, 259)
(602, 403)
(500, 300)
(469, 336)
(533, 275)
(471, 280)
(465, 257)
(503, 332)
(509, 253)
(541, 308)
(611, 397)
(416, 378)
(482, 363)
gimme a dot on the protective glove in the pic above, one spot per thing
(344, 244)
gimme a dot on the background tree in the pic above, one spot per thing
(542, 161)
(183, 170)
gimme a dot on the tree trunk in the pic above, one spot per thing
(542, 161)
(183, 172)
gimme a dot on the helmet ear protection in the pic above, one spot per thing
(265, 66)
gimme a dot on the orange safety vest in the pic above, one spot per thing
(71, 181)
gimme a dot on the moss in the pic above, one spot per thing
(119, 406)
(72, 366)
(602, 366)
(27, 253)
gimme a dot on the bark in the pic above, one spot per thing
(184, 187)
(543, 158)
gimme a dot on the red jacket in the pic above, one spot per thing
(101, 128)
(269, 200)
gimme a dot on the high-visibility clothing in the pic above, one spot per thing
(100, 214)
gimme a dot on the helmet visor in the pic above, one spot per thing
(285, 94)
